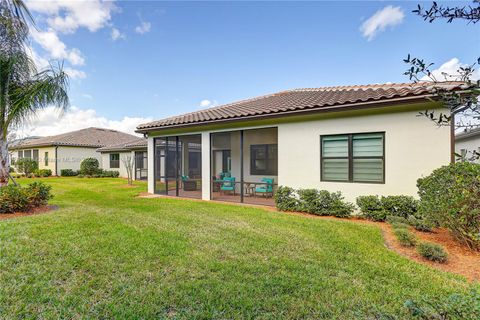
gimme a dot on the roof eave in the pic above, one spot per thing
(330, 109)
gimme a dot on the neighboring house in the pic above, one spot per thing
(360, 140)
(67, 150)
(467, 142)
(135, 152)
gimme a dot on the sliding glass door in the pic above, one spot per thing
(244, 165)
(178, 167)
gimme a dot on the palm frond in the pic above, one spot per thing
(46, 88)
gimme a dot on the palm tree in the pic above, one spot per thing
(23, 89)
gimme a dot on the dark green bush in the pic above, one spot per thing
(371, 208)
(395, 219)
(14, 199)
(109, 174)
(68, 173)
(401, 206)
(450, 197)
(432, 251)
(286, 199)
(27, 165)
(89, 166)
(377, 209)
(405, 237)
(458, 306)
(420, 224)
(11, 170)
(39, 194)
(22, 199)
(320, 202)
(42, 173)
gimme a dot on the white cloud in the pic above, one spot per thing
(67, 16)
(39, 61)
(51, 121)
(75, 73)
(117, 35)
(143, 28)
(87, 96)
(51, 43)
(208, 103)
(389, 16)
(449, 71)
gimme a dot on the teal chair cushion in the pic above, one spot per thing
(268, 186)
(228, 184)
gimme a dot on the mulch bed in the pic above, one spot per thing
(35, 211)
(461, 260)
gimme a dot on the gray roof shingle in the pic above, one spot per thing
(306, 99)
(138, 143)
(89, 137)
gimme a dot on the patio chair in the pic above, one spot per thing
(228, 185)
(267, 189)
(188, 185)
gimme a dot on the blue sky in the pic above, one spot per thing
(133, 61)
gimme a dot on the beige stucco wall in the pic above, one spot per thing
(470, 144)
(51, 158)
(41, 157)
(105, 162)
(413, 148)
(71, 157)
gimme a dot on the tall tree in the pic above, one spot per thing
(464, 109)
(23, 89)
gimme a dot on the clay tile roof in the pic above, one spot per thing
(138, 143)
(89, 137)
(304, 99)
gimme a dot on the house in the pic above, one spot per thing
(117, 157)
(468, 142)
(360, 140)
(67, 150)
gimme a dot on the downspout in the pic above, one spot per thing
(452, 138)
(56, 161)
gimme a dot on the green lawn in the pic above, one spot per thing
(107, 254)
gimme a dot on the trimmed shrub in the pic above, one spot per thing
(450, 197)
(27, 165)
(401, 206)
(372, 208)
(399, 225)
(14, 199)
(405, 237)
(319, 202)
(377, 209)
(68, 173)
(456, 306)
(432, 251)
(39, 194)
(286, 199)
(42, 173)
(22, 199)
(110, 174)
(420, 224)
(89, 166)
(395, 219)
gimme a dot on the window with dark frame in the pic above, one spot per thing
(115, 160)
(264, 159)
(353, 157)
